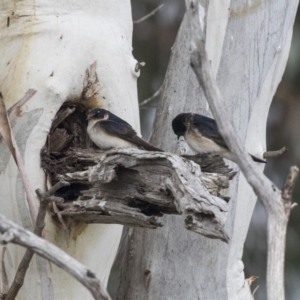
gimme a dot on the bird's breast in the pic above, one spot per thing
(104, 140)
(201, 144)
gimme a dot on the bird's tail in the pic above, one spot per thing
(141, 143)
(150, 147)
(258, 159)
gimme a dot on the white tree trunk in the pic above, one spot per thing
(248, 43)
(47, 46)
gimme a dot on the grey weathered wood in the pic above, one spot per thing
(45, 199)
(13, 233)
(133, 187)
(277, 204)
(170, 263)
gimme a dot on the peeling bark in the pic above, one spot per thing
(133, 187)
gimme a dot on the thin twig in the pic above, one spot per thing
(15, 110)
(146, 101)
(152, 13)
(269, 195)
(45, 199)
(251, 279)
(61, 220)
(12, 233)
(255, 290)
(273, 154)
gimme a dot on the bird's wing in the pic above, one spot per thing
(209, 129)
(119, 128)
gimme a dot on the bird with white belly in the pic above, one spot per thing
(202, 135)
(107, 131)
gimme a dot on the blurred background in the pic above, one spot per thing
(152, 42)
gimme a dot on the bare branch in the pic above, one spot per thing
(251, 279)
(255, 290)
(152, 13)
(267, 192)
(146, 101)
(7, 134)
(15, 110)
(12, 233)
(45, 198)
(139, 66)
(262, 186)
(273, 154)
(288, 188)
(62, 222)
(5, 283)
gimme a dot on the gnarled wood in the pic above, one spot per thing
(133, 187)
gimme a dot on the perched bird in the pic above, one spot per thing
(107, 130)
(202, 135)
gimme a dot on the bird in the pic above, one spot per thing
(202, 135)
(107, 131)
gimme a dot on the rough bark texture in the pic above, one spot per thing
(248, 44)
(132, 187)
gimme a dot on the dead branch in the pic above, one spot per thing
(146, 101)
(139, 66)
(6, 132)
(288, 187)
(15, 110)
(152, 13)
(45, 199)
(12, 233)
(5, 282)
(269, 195)
(62, 222)
(273, 154)
(133, 187)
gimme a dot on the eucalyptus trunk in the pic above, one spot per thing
(47, 46)
(248, 44)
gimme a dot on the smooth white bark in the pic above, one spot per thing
(48, 45)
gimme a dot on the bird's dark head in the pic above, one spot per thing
(98, 114)
(179, 124)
